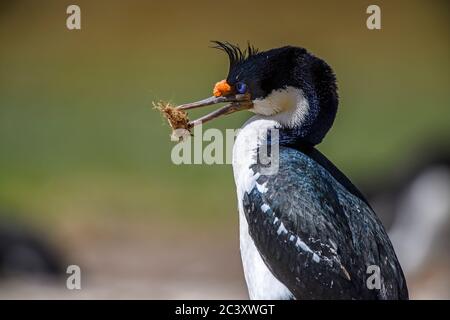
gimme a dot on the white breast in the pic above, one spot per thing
(261, 283)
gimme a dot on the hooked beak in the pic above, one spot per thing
(237, 102)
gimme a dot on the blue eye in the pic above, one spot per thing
(241, 87)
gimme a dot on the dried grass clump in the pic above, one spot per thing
(178, 119)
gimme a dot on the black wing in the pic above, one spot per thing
(317, 237)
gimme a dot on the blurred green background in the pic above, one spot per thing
(79, 141)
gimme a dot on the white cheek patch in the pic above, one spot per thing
(288, 106)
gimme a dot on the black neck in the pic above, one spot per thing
(292, 138)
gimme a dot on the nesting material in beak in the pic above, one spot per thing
(178, 119)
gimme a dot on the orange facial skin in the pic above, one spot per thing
(222, 88)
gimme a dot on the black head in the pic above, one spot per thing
(287, 84)
(268, 74)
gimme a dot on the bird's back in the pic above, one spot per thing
(316, 233)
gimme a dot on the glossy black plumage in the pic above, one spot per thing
(267, 71)
(337, 226)
(313, 228)
(235, 53)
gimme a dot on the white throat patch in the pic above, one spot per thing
(288, 106)
(261, 283)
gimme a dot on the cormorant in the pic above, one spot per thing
(306, 232)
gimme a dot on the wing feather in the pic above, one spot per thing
(316, 236)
